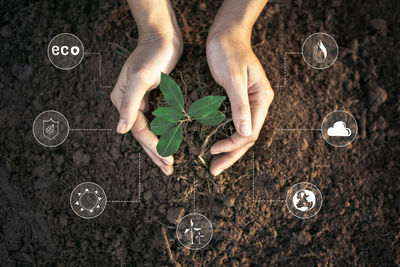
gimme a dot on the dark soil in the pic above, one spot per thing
(359, 220)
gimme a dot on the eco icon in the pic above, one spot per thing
(320, 52)
(339, 129)
(50, 128)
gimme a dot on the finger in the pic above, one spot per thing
(134, 92)
(259, 103)
(240, 106)
(222, 162)
(149, 141)
(166, 169)
(230, 144)
(117, 92)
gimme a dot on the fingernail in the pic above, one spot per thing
(121, 126)
(214, 151)
(164, 170)
(245, 128)
(168, 170)
(217, 172)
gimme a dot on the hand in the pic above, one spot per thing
(235, 67)
(156, 52)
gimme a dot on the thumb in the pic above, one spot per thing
(134, 92)
(241, 112)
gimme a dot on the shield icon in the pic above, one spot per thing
(50, 128)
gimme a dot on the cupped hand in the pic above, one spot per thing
(155, 53)
(236, 68)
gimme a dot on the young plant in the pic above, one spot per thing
(168, 120)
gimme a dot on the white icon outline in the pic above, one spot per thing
(72, 203)
(304, 191)
(34, 122)
(339, 129)
(322, 47)
(54, 124)
(77, 64)
(194, 214)
(320, 68)
(307, 185)
(355, 132)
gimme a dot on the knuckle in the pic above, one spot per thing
(243, 108)
(113, 97)
(124, 104)
(270, 94)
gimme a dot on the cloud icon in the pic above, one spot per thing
(339, 129)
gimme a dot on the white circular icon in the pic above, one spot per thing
(194, 231)
(304, 200)
(306, 195)
(50, 128)
(88, 200)
(339, 128)
(320, 50)
(65, 51)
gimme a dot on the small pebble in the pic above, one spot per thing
(175, 214)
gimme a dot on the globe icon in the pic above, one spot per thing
(304, 200)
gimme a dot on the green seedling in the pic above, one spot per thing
(168, 120)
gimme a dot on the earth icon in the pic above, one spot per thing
(304, 200)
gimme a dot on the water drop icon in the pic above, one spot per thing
(320, 52)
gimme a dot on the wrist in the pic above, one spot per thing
(236, 17)
(155, 19)
(160, 34)
(233, 32)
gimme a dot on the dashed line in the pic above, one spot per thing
(254, 194)
(123, 201)
(295, 129)
(269, 200)
(140, 183)
(194, 195)
(139, 194)
(105, 86)
(284, 67)
(89, 129)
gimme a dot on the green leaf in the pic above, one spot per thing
(212, 119)
(170, 141)
(171, 92)
(160, 125)
(205, 106)
(168, 113)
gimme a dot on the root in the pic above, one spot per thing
(203, 147)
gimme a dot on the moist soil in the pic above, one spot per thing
(359, 220)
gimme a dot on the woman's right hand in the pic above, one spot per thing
(156, 52)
